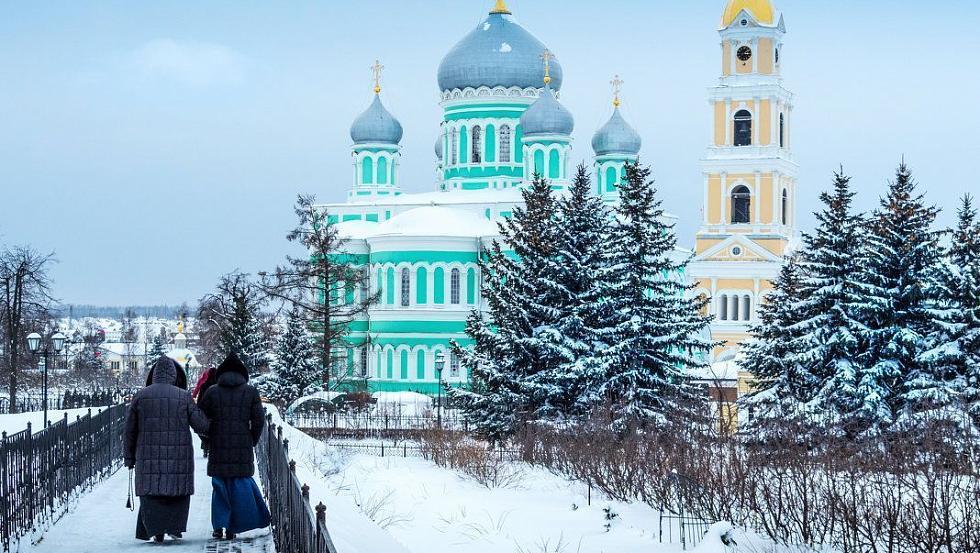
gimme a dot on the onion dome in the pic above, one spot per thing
(439, 147)
(616, 137)
(499, 52)
(761, 10)
(547, 116)
(376, 126)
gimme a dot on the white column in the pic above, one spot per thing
(704, 204)
(725, 203)
(728, 122)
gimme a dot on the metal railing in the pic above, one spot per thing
(374, 424)
(41, 471)
(296, 527)
(65, 399)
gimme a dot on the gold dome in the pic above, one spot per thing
(761, 10)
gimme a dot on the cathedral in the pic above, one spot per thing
(502, 122)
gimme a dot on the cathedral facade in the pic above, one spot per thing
(503, 122)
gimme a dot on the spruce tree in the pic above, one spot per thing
(781, 387)
(825, 336)
(955, 342)
(508, 350)
(578, 276)
(244, 336)
(295, 369)
(158, 350)
(896, 311)
(659, 329)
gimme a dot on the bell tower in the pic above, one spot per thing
(749, 175)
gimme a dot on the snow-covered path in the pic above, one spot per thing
(100, 522)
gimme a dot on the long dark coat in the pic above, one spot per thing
(237, 418)
(158, 438)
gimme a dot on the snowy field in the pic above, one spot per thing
(11, 424)
(426, 508)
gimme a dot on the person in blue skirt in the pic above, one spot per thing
(237, 419)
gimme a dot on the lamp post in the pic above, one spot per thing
(440, 364)
(54, 346)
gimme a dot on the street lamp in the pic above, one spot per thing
(440, 364)
(56, 344)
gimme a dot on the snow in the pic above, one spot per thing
(11, 424)
(505, 48)
(321, 396)
(408, 404)
(438, 221)
(455, 197)
(100, 521)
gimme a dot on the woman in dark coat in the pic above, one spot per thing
(237, 418)
(158, 445)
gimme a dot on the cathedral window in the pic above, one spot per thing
(505, 144)
(365, 284)
(364, 362)
(539, 163)
(454, 146)
(470, 286)
(741, 205)
(453, 366)
(611, 180)
(743, 128)
(477, 145)
(782, 130)
(421, 286)
(382, 170)
(554, 165)
(785, 207)
(454, 287)
(406, 286)
(367, 171)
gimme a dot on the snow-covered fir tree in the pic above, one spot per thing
(954, 352)
(244, 336)
(158, 350)
(825, 335)
(659, 329)
(578, 275)
(781, 387)
(896, 312)
(295, 368)
(508, 350)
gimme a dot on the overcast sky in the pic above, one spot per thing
(157, 145)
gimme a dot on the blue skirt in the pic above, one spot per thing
(237, 505)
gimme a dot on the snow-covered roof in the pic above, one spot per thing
(438, 221)
(357, 230)
(455, 197)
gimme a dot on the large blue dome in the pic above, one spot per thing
(616, 137)
(547, 116)
(499, 52)
(376, 126)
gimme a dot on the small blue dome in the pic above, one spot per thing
(376, 126)
(439, 147)
(616, 137)
(547, 116)
(499, 52)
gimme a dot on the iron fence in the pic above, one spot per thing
(41, 471)
(296, 527)
(66, 399)
(374, 424)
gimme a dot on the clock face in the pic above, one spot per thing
(744, 53)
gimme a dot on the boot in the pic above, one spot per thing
(177, 535)
(229, 536)
(218, 534)
(158, 538)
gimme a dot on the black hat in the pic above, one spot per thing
(232, 364)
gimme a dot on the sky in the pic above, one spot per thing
(155, 146)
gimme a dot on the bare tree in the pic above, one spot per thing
(328, 286)
(231, 320)
(25, 297)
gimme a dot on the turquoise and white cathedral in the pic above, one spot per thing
(502, 122)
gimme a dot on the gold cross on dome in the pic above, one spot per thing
(376, 68)
(617, 85)
(546, 56)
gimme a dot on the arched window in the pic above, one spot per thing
(785, 207)
(554, 165)
(453, 365)
(723, 307)
(403, 362)
(365, 284)
(782, 130)
(611, 179)
(364, 361)
(421, 286)
(538, 168)
(741, 205)
(367, 171)
(477, 146)
(746, 308)
(391, 364)
(743, 128)
(406, 287)
(454, 287)
(390, 286)
(463, 141)
(490, 148)
(382, 170)
(439, 286)
(505, 144)
(518, 144)
(454, 145)
(470, 286)
(420, 365)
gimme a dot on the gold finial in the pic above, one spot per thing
(617, 85)
(376, 68)
(546, 56)
(501, 7)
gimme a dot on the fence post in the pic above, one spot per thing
(321, 522)
(306, 493)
